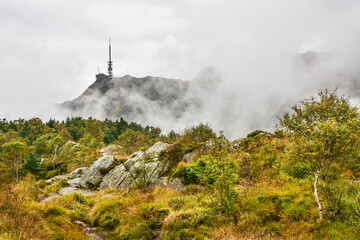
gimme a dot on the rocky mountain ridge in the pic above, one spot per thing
(141, 99)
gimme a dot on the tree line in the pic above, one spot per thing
(24, 144)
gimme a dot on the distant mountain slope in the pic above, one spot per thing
(238, 102)
(115, 95)
(142, 99)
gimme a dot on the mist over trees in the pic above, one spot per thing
(299, 181)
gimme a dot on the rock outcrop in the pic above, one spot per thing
(77, 173)
(118, 178)
(94, 175)
(143, 167)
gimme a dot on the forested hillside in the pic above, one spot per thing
(128, 181)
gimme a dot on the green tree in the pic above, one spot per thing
(94, 127)
(26, 130)
(327, 105)
(37, 127)
(3, 125)
(56, 142)
(13, 126)
(89, 141)
(42, 145)
(221, 176)
(64, 134)
(3, 139)
(173, 136)
(324, 130)
(14, 151)
(52, 123)
(218, 173)
(109, 137)
(198, 134)
(133, 141)
(154, 133)
(113, 129)
(76, 132)
(32, 164)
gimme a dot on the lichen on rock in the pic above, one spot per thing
(94, 175)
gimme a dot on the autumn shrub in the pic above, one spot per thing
(299, 170)
(177, 203)
(102, 209)
(55, 210)
(172, 155)
(198, 134)
(195, 223)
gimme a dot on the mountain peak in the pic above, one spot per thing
(147, 100)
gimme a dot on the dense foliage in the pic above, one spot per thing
(63, 146)
(300, 182)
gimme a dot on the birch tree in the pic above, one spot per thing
(324, 130)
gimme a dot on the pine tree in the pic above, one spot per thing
(26, 130)
(32, 163)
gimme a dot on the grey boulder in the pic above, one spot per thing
(94, 175)
(142, 166)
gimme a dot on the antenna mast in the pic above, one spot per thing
(110, 75)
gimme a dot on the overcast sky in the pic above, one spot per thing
(50, 50)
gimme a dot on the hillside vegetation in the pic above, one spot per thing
(299, 182)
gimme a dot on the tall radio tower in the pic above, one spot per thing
(110, 74)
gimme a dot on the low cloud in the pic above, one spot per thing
(51, 52)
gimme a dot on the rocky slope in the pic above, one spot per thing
(142, 169)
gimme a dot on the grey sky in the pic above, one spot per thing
(50, 50)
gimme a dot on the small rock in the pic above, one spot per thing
(188, 157)
(55, 179)
(51, 197)
(77, 172)
(111, 149)
(155, 149)
(69, 190)
(174, 184)
(74, 174)
(74, 182)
